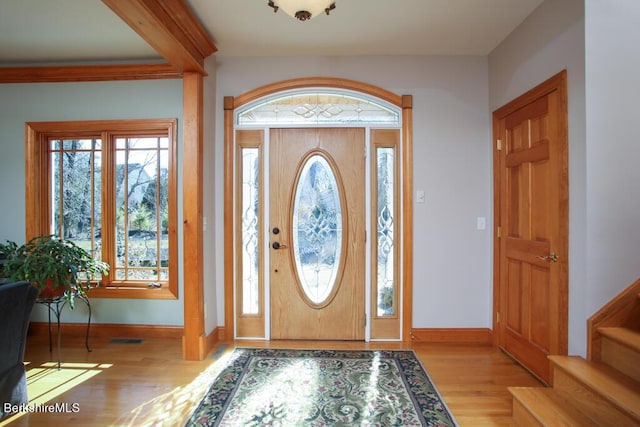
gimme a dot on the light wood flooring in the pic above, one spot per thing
(148, 384)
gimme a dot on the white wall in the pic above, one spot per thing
(549, 40)
(452, 163)
(20, 103)
(613, 148)
(596, 41)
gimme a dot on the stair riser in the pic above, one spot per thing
(621, 357)
(522, 417)
(539, 406)
(589, 402)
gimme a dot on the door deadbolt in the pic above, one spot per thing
(278, 245)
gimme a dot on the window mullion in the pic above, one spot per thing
(158, 215)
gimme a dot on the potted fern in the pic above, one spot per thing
(57, 267)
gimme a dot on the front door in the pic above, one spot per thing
(317, 233)
(532, 219)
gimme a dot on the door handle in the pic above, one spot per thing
(552, 257)
(278, 245)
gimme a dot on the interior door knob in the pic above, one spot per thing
(552, 257)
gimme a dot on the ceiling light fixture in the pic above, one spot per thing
(303, 10)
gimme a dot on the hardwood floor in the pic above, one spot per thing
(148, 383)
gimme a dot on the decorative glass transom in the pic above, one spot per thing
(317, 109)
(317, 229)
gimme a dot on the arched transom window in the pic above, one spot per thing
(318, 107)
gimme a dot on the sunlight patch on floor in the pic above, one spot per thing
(294, 386)
(47, 382)
(173, 408)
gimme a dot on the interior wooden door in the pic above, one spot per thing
(532, 194)
(317, 233)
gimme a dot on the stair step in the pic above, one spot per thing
(598, 390)
(628, 337)
(620, 349)
(538, 406)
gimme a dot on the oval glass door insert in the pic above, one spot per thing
(317, 229)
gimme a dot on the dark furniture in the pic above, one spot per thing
(55, 305)
(16, 303)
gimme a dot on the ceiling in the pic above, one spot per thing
(34, 32)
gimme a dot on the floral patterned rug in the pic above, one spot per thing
(274, 387)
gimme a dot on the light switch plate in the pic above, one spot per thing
(481, 223)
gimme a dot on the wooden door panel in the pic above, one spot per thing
(537, 153)
(517, 214)
(528, 354)
(541, 221)
(532, 111)
(528, 251)
(514, 292)
(540, 295)
(532, 191)
(293, 315)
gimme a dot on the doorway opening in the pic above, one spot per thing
(531, 256)
(318, 212)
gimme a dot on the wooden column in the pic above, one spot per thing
(407, 209)
(194, 341)
(229, 228)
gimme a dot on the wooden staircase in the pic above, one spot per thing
(601, 391)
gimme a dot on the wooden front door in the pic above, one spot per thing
(317, 233)
(532, 222)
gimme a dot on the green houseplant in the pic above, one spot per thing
(55, 266)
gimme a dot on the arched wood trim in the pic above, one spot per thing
(307, 82)
(405, 102)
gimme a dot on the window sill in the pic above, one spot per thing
(132, 293)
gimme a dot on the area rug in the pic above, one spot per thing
(274, 387)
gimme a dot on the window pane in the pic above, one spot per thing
(386, 232)
(250, 230)
(142, 209)
(97, 203)
(317, 229)
(76, 192)
(142, 143)
(78, 144)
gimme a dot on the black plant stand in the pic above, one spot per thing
(56, 305)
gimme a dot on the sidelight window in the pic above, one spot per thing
(385, 264)
(250, 220)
